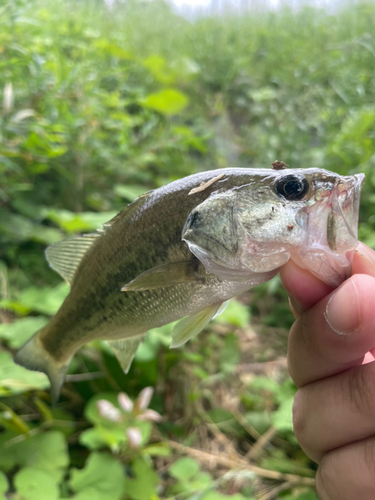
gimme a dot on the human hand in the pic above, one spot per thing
(330, 354)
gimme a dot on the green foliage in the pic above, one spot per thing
(34, 484)
(102, 474)
(189, 476)
(143, 485)
(98, 106)
(46, 452)
(3, 485)
(16, 379)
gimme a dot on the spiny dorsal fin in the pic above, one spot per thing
(190, 326)
(125, 350)
(127, 210)
(171, 274)
(64, 257)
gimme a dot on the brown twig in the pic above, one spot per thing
(275, 491)
(245, 424)
(261, 443)
(205, 185)
(239, 463)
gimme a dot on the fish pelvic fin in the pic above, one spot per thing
(34, 356)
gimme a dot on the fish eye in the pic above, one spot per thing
(292, 188)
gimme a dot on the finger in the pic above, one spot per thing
(335, 334)
(305, 288)
(348, 473)
(364, 260)
(335, 411)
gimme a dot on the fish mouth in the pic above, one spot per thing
(342, 221)
(332, 231)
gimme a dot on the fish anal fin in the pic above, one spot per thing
(64, 257)
(125, 350)
(171, 274)
(190, 326)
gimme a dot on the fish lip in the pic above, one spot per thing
(347, 193)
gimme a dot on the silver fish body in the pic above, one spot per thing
(183, 250)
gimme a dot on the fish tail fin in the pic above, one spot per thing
(34, 356)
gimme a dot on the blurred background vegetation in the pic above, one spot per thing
(99, 105)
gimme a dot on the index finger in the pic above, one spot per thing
(335, 334)
(306, 290)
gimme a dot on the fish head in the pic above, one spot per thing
(308, 215)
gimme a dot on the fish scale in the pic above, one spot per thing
(183, 250)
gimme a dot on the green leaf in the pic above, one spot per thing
(214, 495)
(184, 468)
(46, 300)
(260, 420)
(129, 192)
(112, 437)
(46, 452)
(103, 473)
(307, 495)
(20, 331)
(15, 379)
(3, 485)
(282, 418)
(34, 484)
(80, 222)
(230, 353)
(236, 314)
(143, 485)
(87, 494)
(168, 101)
(157, 450)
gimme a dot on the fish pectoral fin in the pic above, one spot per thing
(190, 326)
(171, 274)
(65, 256)
(125, 350)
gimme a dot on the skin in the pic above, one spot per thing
(334, 407)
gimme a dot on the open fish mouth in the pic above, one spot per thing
(345, 213)
(332, 231)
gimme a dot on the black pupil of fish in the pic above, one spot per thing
(292, 188)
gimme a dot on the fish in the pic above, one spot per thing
(182, 251)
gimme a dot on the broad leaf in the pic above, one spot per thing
(103, 473)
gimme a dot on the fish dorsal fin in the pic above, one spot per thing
(125, 350)
(65, 256)
(190, 326)
(127, 210)
(171, 274)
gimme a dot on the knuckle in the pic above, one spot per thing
(299, 416)
(369, 458)
(361, 385)
(325, 481)
(347, 473)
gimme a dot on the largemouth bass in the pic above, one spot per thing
(185, 249)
